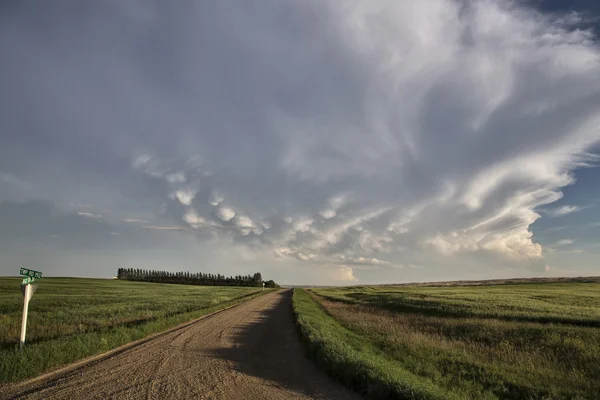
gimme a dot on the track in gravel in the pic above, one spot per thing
(247, 352)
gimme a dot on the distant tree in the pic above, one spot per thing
(257, 279)
(187, 278)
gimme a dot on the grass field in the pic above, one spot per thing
(523, 341)
(72, 318)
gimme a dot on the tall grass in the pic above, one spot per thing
(509, 342)
(70, 319)
(357, 363)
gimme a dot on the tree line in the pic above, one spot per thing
(191, 278)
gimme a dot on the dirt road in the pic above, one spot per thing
(248, 352)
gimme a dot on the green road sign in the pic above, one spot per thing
(27, 280)
(30, 273)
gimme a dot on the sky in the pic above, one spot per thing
(318, 141)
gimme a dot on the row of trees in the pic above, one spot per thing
(191, 278)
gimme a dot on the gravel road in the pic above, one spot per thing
(247, 352)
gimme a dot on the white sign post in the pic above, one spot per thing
(263, 287)
(27, 289)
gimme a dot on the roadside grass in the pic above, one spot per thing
(537, 341)
(354, 361)
(71, 319)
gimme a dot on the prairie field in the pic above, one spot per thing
(512, 341)
(72, 318)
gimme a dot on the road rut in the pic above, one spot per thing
(247, 352)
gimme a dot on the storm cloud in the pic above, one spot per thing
(335, 139)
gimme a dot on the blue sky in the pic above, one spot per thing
(319, 142)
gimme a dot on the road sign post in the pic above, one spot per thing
(263, 287)
(24, 320)
(27, 289)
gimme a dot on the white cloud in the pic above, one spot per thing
(225, 213)
(244, 222)
(288, 252)
(398, 227)
(246, 225)
(302, 224)
(89, 215)
(184, 196)
(343, 273)
(216, 199)
(563, 210)
(149, 165)
(335, 203)
(193, 219)
(363, 261)
(327, 214)
(135, 221)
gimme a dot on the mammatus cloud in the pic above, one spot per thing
(216, 199)
(329, 213)
(184, 197)
(225, 213)
(348, 136)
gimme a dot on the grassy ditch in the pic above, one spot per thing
(354, 361)
(71, 319)
(537, 341)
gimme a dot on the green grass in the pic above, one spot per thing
(568, 303)
(525, 341)
(356, 362)
(70, 318)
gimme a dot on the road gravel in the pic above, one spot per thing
(250, 351)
